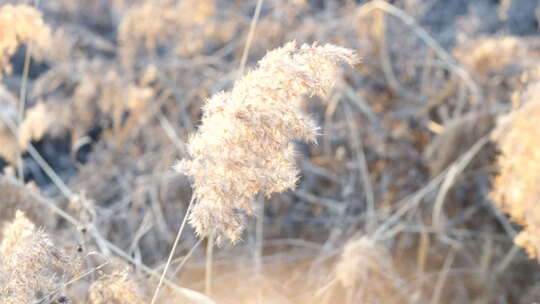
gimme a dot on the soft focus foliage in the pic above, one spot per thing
(181, 25)
(366, 267)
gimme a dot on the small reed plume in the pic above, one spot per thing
(366, 272)
(115, 288)
(244, 144)
(21, 24)
(515, 189)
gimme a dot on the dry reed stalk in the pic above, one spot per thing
(244, 144)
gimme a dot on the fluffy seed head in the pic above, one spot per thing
(244, 143)
(359, 257)
(515, 189)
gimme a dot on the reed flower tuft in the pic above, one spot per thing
(21, 24)
(244, 143)
(115, 288)
(359, 257)
(365, 270)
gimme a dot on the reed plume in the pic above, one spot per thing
(115, 288)
(244, 143)
(366, 272)
(21, 24)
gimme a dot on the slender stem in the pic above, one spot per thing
(209, 264)
(22, 106)
(251, 33)
(439, 285)
(363, 169)
(259, 232)
(259, 239)
(176, 241)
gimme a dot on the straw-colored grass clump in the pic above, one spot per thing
(244, 144)
(515, 189)
(366, 273)
(32, 267)
(21, 24)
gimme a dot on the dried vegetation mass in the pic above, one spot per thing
(408, 177)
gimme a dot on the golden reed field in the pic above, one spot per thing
(269, 151)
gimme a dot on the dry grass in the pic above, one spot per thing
(183, 27)
(244, 144)
(366, 273)
(404, 198)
